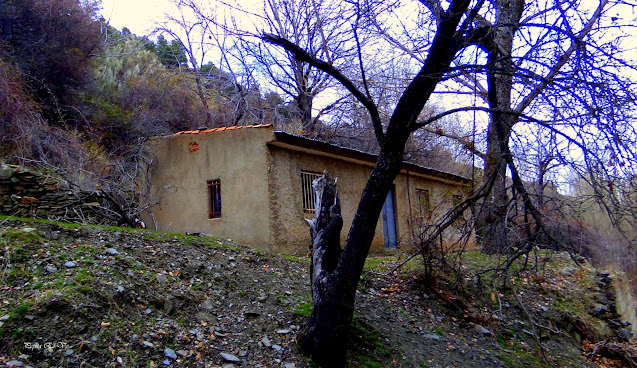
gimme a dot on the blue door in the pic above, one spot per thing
(389, 222)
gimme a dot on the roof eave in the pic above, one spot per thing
(320, 148)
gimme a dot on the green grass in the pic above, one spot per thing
(376, 263)
(303, 310)
(295, 258)
(83, 277)
(21, 310)
(369, 349)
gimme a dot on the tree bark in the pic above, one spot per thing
(327, 329)
(335, 273)
(493, 229)
(304, 104)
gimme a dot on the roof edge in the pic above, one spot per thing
(221, 129)
(294, 142)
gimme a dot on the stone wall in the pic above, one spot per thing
(614, 306)
(24, 193)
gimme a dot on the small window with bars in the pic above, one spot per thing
(307, 177)
(424, 202)
(214, 198)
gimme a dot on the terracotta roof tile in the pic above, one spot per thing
(221, 129)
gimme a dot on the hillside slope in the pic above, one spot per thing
(107, 297)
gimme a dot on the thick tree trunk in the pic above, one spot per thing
(335, 273)
(492, 226)
(493, 230)
(325, 333)
(304, 104)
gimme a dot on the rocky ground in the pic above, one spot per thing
(78, 296)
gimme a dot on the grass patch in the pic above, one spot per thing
(368, 347)
(295, 258)
(303, 310)
(20, 236)
(376, 263)
(21, 310)
(83, 277)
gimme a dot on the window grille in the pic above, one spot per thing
(214, 198)
(308, 192)
(424, 202)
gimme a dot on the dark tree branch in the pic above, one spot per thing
(303, 55)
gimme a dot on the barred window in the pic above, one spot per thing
(214, 198)
(424, 202)
(308, 192)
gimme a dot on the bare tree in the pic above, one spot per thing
(187, 29)
(546, 66)
(318, 29)
(229, 90)
(520, 58)
(560, 67)
(324, 335)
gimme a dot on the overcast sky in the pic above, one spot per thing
(137, 15)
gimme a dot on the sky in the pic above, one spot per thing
(137, 15)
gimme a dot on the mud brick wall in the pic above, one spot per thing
(24, 193)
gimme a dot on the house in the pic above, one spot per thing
(252, 184)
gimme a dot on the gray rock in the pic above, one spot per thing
(482, 330)
(601, 298)
(567, 271)
(278, 348)
(111, 251)
(15, 363)
(284, 332)
(163, 280)
(50, 269)
(148, 344)
(70, 264)
(230, 358)
(166, 362)
(5, 317)
(625, 334)
(169, 304)
(207, 304)
(266, 342)
(289, 365)
(433, 337)
(206, 317)
(29, 229)
(599, 309)
(182, 353)
(243, 353)
(170, 353)
(68, 352)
